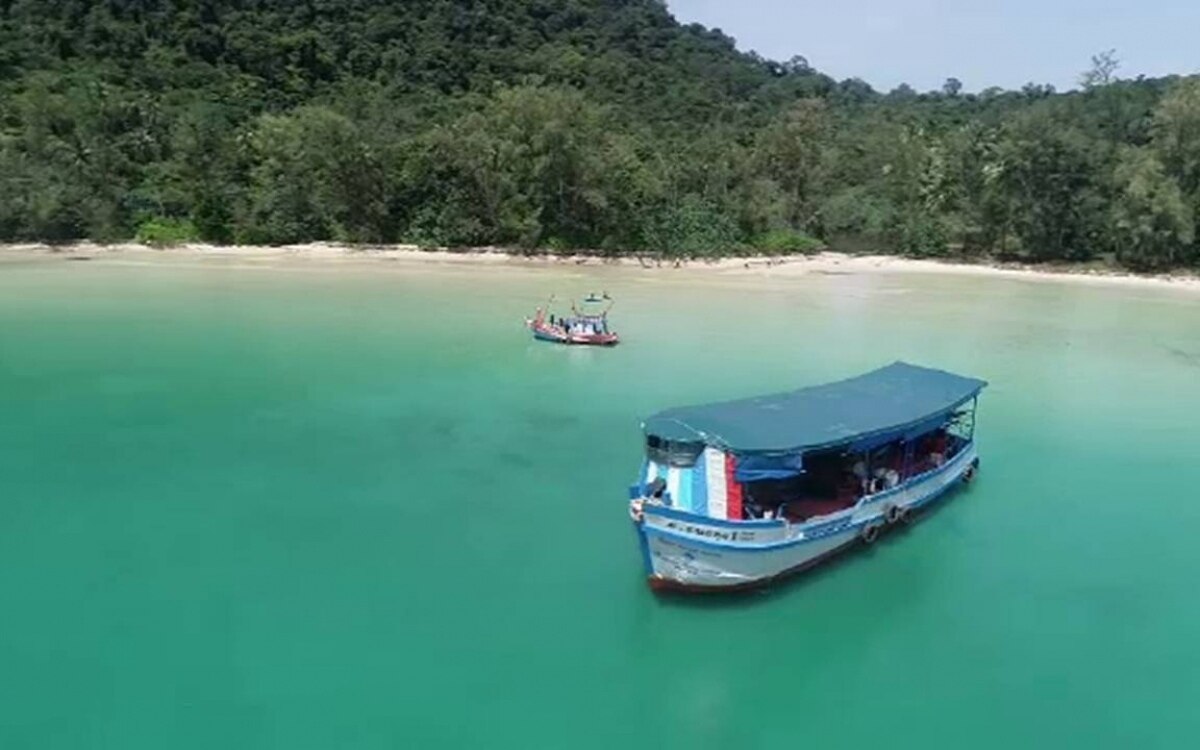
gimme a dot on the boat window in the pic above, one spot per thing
(961, 424)
(827, 486)
(835, 480)
(672, 453)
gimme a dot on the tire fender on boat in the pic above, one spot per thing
(870, 532)
(906, 515)
(969, 474)
(636, 511)
(891, 514)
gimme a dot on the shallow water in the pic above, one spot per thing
(353, 506)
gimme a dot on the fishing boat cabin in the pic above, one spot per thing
(739, 493)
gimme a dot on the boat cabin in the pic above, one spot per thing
(811, 453)
(580, 325)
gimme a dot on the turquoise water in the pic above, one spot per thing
(353, 506)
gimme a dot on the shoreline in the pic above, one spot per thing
(824, 263)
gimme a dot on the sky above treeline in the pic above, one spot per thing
(982, 43)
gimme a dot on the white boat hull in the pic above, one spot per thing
(688, 551)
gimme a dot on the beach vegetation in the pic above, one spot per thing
(166, 232)
(584, 125)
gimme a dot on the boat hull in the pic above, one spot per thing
(575, 339)
(693, 553)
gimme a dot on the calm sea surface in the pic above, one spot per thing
(355, 506)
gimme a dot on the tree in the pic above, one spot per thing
(1176, 132)
(1152, 224)
(980, 199)
(1055, 207)
(797, 65)
(952, 87)
(534, 166)
(202, 180)
(1176, 139)
(1104, 65)
(314, 177)
(1037, 90)
(692, 228)
(917, 187)
(853, 91)
(791, 152)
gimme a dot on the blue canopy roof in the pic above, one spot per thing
(888, 402)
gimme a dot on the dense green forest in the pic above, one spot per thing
(558, 124)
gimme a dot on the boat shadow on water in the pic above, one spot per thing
(856, 553)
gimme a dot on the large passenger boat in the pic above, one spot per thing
(738, 494)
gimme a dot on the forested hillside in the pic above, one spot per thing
(557, 124)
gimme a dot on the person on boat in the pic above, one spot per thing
(938, 445)
(848, 488)
(859, 470)
(886, 474)
(885, 478)
(755, 510)
(751, 509)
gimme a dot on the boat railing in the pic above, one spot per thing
(915, 479)
(689, 517)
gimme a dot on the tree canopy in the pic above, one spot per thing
(603, 125)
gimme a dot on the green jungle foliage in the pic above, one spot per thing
(603, 125)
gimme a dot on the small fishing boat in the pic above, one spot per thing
(739, 494)
(586, 326)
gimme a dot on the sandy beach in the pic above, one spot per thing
(778, 267)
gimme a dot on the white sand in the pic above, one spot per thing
(782, 267)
